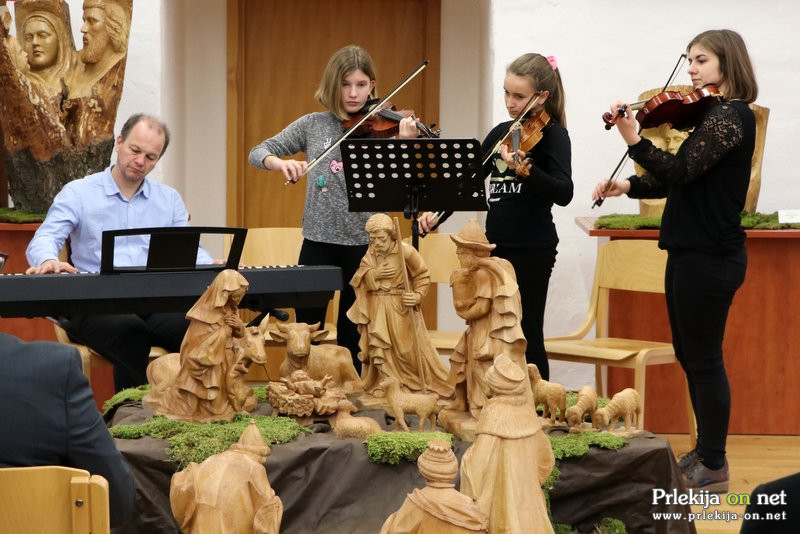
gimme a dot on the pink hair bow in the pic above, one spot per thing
(553, 62)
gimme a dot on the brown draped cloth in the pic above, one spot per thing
(388, 328)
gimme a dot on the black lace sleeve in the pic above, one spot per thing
(718, 133)
(645, 186)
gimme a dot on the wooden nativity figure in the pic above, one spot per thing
(205, 382)
(438, 508)
(511, 458)
(486, 295)
(389, 285)
(229, 493)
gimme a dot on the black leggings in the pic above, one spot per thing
(533, 268)
(347, 258)
(699, 289)
(125, 340)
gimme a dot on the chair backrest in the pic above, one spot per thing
(439, 253)
(277, 246)
(632, 265)
(624, 264)
(53, 499)
(270, 246)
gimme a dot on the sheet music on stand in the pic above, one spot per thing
(413, 175)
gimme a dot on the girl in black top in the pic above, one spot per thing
(520, 221)
(705, 185)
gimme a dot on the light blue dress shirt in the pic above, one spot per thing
(85, 208)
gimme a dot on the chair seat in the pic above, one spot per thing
(444, 340)
(609, 349)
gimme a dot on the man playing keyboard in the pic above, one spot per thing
(119, 197)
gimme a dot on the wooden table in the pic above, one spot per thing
(761, 347)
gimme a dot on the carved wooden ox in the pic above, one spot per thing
(316, 360)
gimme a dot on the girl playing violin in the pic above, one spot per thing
(331, 234)
(520, 221)
(705, 185)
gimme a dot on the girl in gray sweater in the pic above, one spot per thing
(332, 235)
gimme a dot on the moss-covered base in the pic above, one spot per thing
(391, 447)
(195, 442)
(750, 221)
(10, 215)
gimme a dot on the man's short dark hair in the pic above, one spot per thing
(136, 118)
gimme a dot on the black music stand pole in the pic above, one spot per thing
(413, 175)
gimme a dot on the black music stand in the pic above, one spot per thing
(172, 248)
(413, 175)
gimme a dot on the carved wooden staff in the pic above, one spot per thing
(414, 343)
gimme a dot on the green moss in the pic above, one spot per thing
(754, 221)
(194, 442)
(10, 215)
(391, 447)
(610, 525)
(260, 392)
(126, 395)
(576, 445)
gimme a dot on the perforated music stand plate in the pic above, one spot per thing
(385, 174)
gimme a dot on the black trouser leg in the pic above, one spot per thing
(125, 341)
(533, 268)
(699, 291)
(347, 258)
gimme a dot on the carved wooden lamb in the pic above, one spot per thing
(403, 402)
(346, 426)
(625, 404)
(585, 404)
(552, 396)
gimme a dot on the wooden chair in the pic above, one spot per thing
(630, 265)
(439, 253)
(281, 246)
(53, 499)
(89, 358)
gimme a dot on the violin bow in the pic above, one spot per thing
(618, 168)
(514, 125)
(375, 109)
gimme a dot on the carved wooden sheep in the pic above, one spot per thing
(316, 360)
(585, 404)
(552, 396)
(625, 404)
(402, 402)
(346, 426)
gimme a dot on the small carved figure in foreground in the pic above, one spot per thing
(552, 396)
(438, 508)
(425, 405)
(625, 404)
(511, 457)
(229, 492)
(586, 404)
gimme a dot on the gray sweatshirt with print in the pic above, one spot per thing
(326, 218)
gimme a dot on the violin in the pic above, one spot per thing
(524, 136)
(385, 122)
(680, 110)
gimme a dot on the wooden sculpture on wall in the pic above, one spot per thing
(318, 361)
(389, 284)
(438, 508)
(586, 404)
(486, 295)
(504, 468)
(229, 492)
(626, 404)
(205, 382)
(552, 396)
(58, 106)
